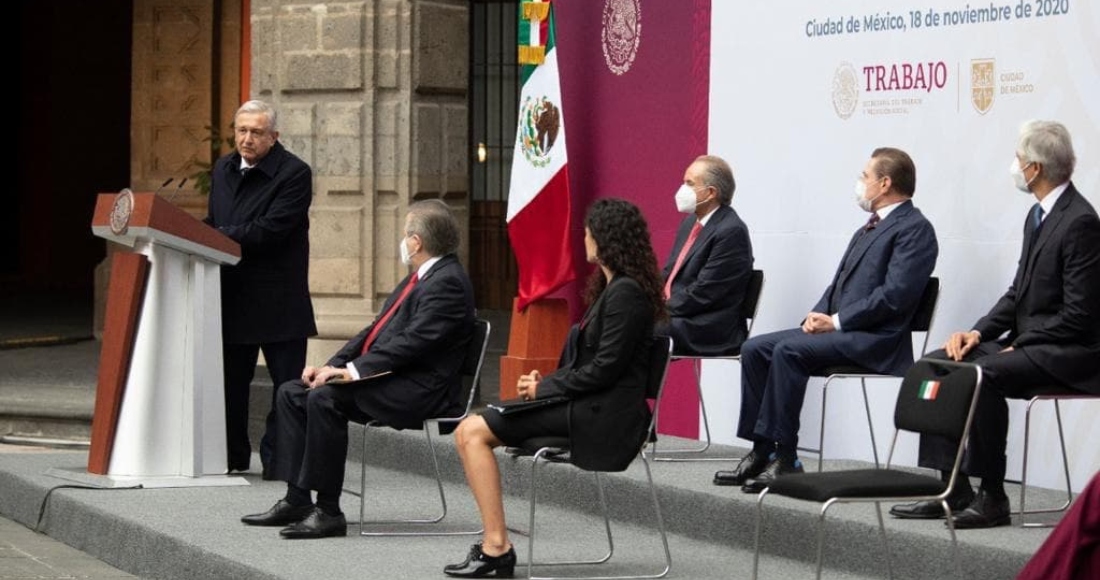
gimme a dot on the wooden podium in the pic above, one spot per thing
(160, 409)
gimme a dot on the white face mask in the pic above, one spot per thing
(1018, 178)
(406, 255)
(685, 199)
(865, 204)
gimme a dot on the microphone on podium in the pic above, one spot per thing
(177, 190)
(165, 184)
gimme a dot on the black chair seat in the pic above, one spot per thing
(559, 448)
(820, 487)
(736, 351)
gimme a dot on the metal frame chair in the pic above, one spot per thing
(556, 450)
(748, 312)
(922, 322)
(471, 375)
(945, 408)
(1055, 394)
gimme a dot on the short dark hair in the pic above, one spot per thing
(898, 166)
(434, 222)
(717, 174)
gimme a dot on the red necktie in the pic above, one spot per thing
(680, 258)
(389, 313)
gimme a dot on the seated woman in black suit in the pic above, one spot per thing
(603, 375)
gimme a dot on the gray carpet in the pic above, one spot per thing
(194, 533)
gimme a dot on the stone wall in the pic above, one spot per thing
(373, 96)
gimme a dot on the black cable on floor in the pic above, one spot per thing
(45, 500)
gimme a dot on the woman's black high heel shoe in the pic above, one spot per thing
(478, 565)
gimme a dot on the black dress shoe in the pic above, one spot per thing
(932, 510)
(776, 467)
(985, 511)
(750, 466)
(478, 565)
(317, 524)
(280, 514)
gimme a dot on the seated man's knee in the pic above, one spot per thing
(320, 397)
(289, 392)
(752, 348)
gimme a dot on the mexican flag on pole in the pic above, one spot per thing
(538, 199)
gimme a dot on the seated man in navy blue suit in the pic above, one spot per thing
(862, 319)
(403, 368)
(709, 267)
(1043, 333)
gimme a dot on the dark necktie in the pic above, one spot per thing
(872, 221)
(389, 313)
(680, 258)
(1036, 217)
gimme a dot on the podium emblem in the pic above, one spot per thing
(121, 210)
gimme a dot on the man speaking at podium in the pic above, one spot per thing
(403, 368)
(259, 197)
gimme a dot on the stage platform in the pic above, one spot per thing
(195, 533)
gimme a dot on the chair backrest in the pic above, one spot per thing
(926, 308)
(937, 397)
(660, 353)
(471, 364)
(752, 297)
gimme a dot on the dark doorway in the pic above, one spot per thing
(73, 142)
(494, 106)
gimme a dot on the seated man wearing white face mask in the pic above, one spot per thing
(403, 368)
(708, 269)
(862, 319)
(1043, 332)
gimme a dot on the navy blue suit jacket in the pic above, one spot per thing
(877, 287)
(422, 345)
(1052, 309)
(705, 303)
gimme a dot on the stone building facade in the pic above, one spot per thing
(372, 94)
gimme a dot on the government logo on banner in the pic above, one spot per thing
(983, 84)
(845, 90)
(622, 32)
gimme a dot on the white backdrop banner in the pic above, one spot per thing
(803, 91)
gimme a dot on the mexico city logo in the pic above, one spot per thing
(983, 84)
(539, 122)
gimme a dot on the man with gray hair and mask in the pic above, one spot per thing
(403, 368)
(1043, 332)
(708, 270)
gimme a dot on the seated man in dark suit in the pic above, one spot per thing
(709, 267)
(403, 368)
(862, 319)
(1044, 331)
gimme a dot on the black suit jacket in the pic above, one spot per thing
(604, 373)
(709, 289)
(265, 296)
(422, 345)
(1052, 309)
